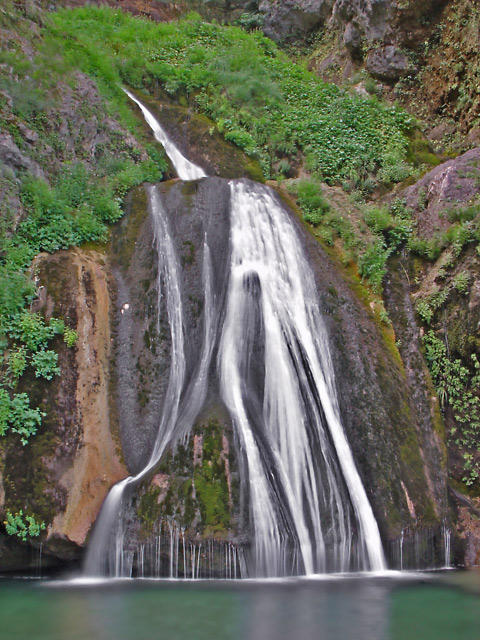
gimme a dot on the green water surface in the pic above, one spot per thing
(438, 607)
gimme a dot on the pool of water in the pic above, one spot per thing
(438, 606)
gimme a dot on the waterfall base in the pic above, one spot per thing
(425, 549)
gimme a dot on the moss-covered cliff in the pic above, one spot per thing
(396, 267)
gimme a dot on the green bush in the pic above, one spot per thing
(31, 330)
(70, 337)
(23, 527)
(45, 363)
(17, 416)
(372, 264)
(457, 386)
(461, 282)
(378, 219)
(463, 214)
(310, 197)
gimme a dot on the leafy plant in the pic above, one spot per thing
(256, 95)
(372, 264)
(23, 526)
(45, 363)
(32, 331)
(16, 415)
(70, 337)
(457, 387)
(461, 282)
(424, 310)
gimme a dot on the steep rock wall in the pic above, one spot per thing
(64, 473)
(389, 411)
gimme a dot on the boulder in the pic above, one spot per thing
(290, 18)
(387, 63)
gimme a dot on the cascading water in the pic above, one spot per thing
(106, 553)
(309, 510)
(185, 169)
(304, 486)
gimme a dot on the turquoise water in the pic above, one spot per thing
(436, 607)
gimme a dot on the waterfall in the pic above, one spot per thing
(447, 535)
(309, 510)
(102, 554)
(307, 499)
(185, 169)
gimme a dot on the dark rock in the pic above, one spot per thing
(451, 185)
(26, 133)
(352, 39)
(11, 156)
(387, 63)
(370, 17)
(421, 393)
(291, 18)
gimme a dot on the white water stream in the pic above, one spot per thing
(300, 468)
(309, 509)
(185, 169)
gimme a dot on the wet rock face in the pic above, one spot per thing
(196, 482)
(387, 412)
(387, 428)
(450, 186)
(142, 333)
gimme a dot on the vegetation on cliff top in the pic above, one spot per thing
(262, 101)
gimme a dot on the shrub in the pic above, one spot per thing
(372, 264)
(23, 527)
(457, 386)
(45, 363)
(461, 282)
(30, 328)
(310, 197)
(70, 337)
(378, 219)
(17, 416)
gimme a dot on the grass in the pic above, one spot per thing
(264, 103)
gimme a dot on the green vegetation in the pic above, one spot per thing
(390, 228)
(194, 489)
(16, 415)
(211, 483)
(264, 103)
(457, 388)
(457, 236)
(66, 191)
(23, 527)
